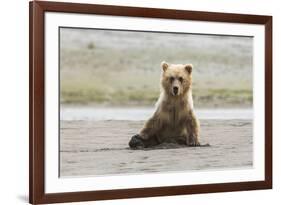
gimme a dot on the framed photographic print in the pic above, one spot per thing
(140, 102)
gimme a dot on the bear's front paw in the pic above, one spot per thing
(136, 142)
(193, 142)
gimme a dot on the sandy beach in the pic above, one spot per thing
(89, 147)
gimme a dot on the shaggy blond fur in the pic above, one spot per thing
(174, 118)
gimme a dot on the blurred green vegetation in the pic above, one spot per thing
(123, 68)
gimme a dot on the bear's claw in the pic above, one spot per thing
(194, 144)
(136, 142)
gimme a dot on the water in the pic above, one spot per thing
(69, 113)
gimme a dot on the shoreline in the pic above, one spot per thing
(92, 113)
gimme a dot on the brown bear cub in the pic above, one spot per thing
(174, 119)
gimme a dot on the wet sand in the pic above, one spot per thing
(90, 148)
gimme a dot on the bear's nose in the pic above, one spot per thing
(175, 89)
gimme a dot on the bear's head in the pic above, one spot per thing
(176, 79)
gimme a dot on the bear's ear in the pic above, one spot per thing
(164, 66)
(188, 68)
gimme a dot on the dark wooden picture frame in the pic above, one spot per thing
(37, 193)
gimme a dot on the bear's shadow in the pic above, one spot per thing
(136, 143)
(170, 145)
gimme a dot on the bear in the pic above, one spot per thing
(174, 118)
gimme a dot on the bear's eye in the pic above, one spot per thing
(172, 79)
(181, 79)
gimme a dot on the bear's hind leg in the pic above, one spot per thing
(137, 142)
